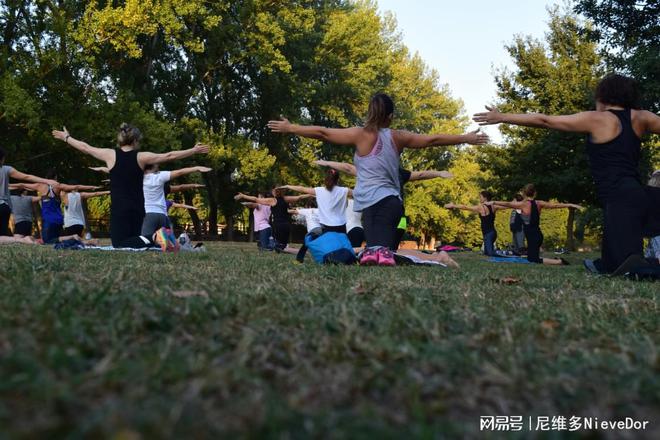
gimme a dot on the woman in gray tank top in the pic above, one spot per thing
(22, 212)
(377, 151)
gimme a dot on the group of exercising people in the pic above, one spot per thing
(372, 213)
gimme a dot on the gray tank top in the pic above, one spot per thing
(5, 195)
(73, 212)
(377, 173)
(21, 208)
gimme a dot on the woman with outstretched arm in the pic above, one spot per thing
(377, 149)
(279, 205)
(486, 214)
(126, 165)
(531, 215)
(614, 131)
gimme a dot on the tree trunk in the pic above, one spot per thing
(570, 222)
(230, 227)
(213, 205)
(250, 227)
(188, 198)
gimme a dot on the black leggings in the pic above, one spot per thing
(281, 232)
(380, 222)
(125, 228)
(630, 214)
(534, 238)
(5, 212)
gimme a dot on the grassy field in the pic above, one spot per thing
(95, 344)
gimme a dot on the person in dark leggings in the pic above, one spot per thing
(377, 193)
(516, 228)
(126, 165)
(279, 208)
(531, 214)
(614, 132)
(486, 217)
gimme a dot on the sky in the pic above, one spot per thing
(464, 40)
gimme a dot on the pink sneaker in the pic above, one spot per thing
(385, 257)
(369, 257)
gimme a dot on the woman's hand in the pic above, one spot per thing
(476, 137)
(320, 163)
(446, 175)
(281, 126)
(575, 206)
(61, 135)
(450, 206)
(283, 187)
(203, 170)
(239, 196)
(201, 149)
(492, 116)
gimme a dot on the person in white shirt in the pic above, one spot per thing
(331, 199)
(155, 205)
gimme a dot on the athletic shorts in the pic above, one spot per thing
(23, 228)
(73, 230)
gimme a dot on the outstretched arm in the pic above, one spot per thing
(552, 205)
(407, 139)
(296, 199)
(651, 122)
(512, 205)
(462, 207)
(185, 187)
(182, 206)
(339, 136)
(89, 195)
(258, 200)
(185, 171)
(250, 205)
(68, 188)
(147, 158)
(300, 189)
(105, 170)
(25, 186)
(107, 155)
(342, 167)
(15, 174)
(584, 122)
(427, 175)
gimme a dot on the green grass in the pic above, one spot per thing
(95, 344)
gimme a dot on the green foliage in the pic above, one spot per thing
(96, 344)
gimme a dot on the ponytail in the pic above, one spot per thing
(331, 179)
(380, 112)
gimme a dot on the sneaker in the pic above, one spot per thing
(385, 257)
(162, 240)
(369, 257)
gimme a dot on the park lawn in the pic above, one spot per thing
(97, 344)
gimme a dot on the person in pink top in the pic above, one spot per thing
(262, 227)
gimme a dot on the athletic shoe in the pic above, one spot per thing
(369, 257)
(385, 257)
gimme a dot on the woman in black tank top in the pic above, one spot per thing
(279, 204)
(631, 209)
(126, 167)
(531, 215)
(487, 219)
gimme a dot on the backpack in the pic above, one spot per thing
(331, 248)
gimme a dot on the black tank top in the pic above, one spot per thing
(534, 216)
(615, 164)
(126, 179)
(281, 211)
(488, 221)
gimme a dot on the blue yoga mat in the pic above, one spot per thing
(517, 260)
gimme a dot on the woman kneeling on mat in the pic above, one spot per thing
(531, 215)
(486, 213)
(126, 166)
(377, 149)
(614, 132)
